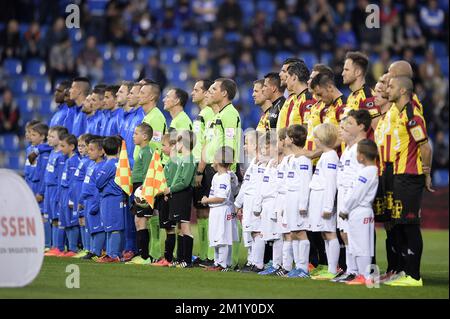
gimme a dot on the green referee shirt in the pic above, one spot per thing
(200, 124)
(170, 169)
(181, 122)
(157, 121)
(225, 130)
(184, 175)
(141, 164)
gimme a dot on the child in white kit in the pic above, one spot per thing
(221, 205)
(358, 209)
(321, 211)
(353, 129)
(299, 173)
(265, 202)
(244, 200)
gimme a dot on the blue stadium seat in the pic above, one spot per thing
(187, 39)
(263, 58)
(41, 85)
(282, 55)
(326, 58)
(144, 53)
(44, 104)
(232, 36)
(439, 48)
(204, 38)
(248, 8)
(310, 58)
(269, 7)
(105, 51)
(443, 62)
(131, 71)
(35, 67)
(15, 160)
(155, 4)
(25, 104)
(97, 7)
(123, 53)
(440, 178)
(12, 66)
(9, 142)
(170, 55)
(18, 85)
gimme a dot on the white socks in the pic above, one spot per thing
(258, 247)
(277, 253)
(296, 252)
(364, 265)
(287, 255)
(223, 255)
(303, 251)
(350, 260)
(333, 254)
(230, 251)
(249, 256)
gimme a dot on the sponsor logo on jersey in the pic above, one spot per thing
(290, 175)
(261, 170)
(347, 163)
(247, 177)
(331, 166)
(280, 174)
(362, 179)
(223, 186)
(304, 167)
(266, 179)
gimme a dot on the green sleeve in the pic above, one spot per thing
(137, 173)
(146, 159)
(183, 177)
(232, 133)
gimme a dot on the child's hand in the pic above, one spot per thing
(204, 200)
(166, 198)
(239, 212)
(198, 180)
(167, 191)
(80, 207)
(81, 221)
(303, 213)
(39, 198)
(343, 215)
(327, 215)
(32, 157)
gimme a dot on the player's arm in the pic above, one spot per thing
(355, 197)
(330, 172)
(427, 154)
(184, 178)
(103, 176)
(305, 173)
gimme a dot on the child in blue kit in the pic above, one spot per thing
(113, 202)
(38, 137)
(90, 199)
(29, 169)
(67, 196)
(52, 180)
(79, 175)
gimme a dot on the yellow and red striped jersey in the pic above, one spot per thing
(384, 135)
(264, 124)
(286, 109)
(409, 133)
(334, 112)
(416, 102)
(314, 119)
(302, 108)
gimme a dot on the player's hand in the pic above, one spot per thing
(39, 198)
(327, 215)
(166, 198)
(426, 170)
(428, 183)
(32, 157)
(80, 207)
(198, 180)
(167, 191)
(343, 215)
(303, 213)
(204, 200)
(81, 221)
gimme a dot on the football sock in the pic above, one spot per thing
(169, 247)
(179, 248)
(98, 240)
(249, 256)
(72, 236)
(116, 243)
(303, 248)
(223, 255)
(288, 256)
(143, 238)
(295, 252)
(55, 231)
(82, 236)
(414, 250)
(258, 252)
(364, 265)
(202, 229)
(333, 255)
(155, 244)
(342, 253)
(47, 233)
(230, 255)
(188, 244)
(277, 253)
(352, 267)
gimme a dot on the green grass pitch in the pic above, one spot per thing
(132, 281)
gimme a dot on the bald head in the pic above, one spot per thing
(401, 68)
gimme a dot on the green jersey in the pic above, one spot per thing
(225, 130)
(203, 121)
(170, 169)
(141, 164)
(184, 175)
(181, 122)
(157, 121)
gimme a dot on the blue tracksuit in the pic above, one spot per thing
(60, 116)
(91, 198)
(37, 179)
(132, 119)
(28, 170)
(112, 201)
(104, 118)
(79, 175)
(114, 123)
(52, 179)
(93, 123)
(68, 121)
(67, 194)
(79, 122)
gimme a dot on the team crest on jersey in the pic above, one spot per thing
(266, 179)
(247, 177)
(304, 167)
(280, 174)
(331, 166)
(362, 179)
(290, 175)
(347, 163)
(223, 186)
(261, 170)
(417, 133)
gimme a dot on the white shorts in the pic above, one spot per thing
(341, 223)
(247, 239)
(361, 232)
(247, 212)
(318, 223)
(220, 230)
(295, 221)
(269, 228)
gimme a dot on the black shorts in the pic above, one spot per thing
(204, 189)
(408, 191)
(163, 209)
(180, 204)
(384, 201)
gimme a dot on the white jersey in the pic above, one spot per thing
(281, 186)
(299, 172)
(221, 188)
(364, 190)
(323, 191)
(248, 186)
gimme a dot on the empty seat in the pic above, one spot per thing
(123, 53)
(9, 142)
(35, 67)
(12, 66)
(41, 85)
(18, 85)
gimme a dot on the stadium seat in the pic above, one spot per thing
(12, 66)
(248, 8)
(187, 39)
(269, 7)
(131, 71)
(123, 53)
(105, 51)
(326, 57)
(204, 38)
(440, 178)
(155, 5)
(443, 62)
(97, 7)
(281, 56)
(35, 67)
(41, 85)
(170, 55)
(263, 58)
(15, 161)
(144, 53)
(309, 58)
(9, 142)
(439, 49)
(43, 104)
(18, 85)
(232, 36)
